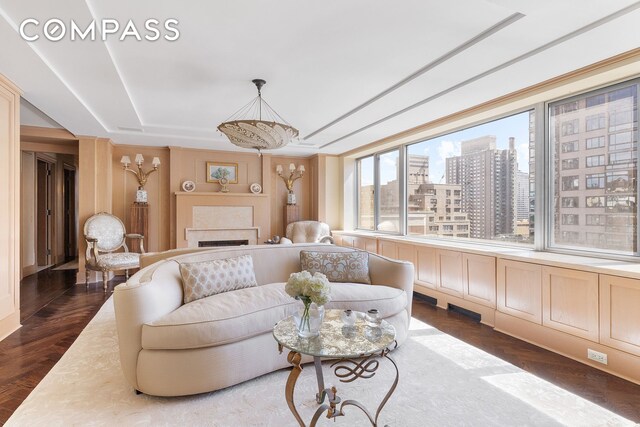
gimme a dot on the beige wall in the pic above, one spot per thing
(302, 188)
(94, 187)
(180, 164)
(9, 207)
(125, 186)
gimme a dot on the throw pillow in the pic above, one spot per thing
(206, 278)
(350, 267)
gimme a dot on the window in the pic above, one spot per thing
(570, 127)
(595, 122)
(570, 182)
(570, 202)
(389, 192)
(597, 142)
(595, 180)
(569, 147)
(481, 178)
(365, 194)
(570, 164)
(595, 219)
(593, 161)
(622, 157)
(594, 201)
(479, 183)
(619, 120)
(593, 101)
(621, 141)
(610, 193)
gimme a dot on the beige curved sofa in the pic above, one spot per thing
(168, 348)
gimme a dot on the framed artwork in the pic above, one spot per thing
(217, 170)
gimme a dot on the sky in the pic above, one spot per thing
(439, 148)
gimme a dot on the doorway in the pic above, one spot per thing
(44, 212)
(69, 211)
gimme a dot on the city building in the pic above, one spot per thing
(487, 177)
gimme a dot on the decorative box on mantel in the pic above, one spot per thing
(213, 216)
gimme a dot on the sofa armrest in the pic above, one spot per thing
(149, 294)
(393, 273)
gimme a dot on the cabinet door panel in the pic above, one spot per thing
(570, 301)
(365, 243)
(520, 290)
(449, 267)
(388, 249)
(347, 241)
(479, 275)
(620, 313)
(426, 266)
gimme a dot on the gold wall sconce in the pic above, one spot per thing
(141, 175)
(294, 174)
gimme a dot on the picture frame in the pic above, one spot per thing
(216, 170)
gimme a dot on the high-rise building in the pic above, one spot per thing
(436, 209)
(487, 177)
(522, 198)
(595, 158)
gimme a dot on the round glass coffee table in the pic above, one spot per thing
(357, 350)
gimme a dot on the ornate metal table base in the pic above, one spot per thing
(347, 370)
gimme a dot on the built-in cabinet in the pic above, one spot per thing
(520, 290)
(570, 301)
(479, 279)
(620, 313)
(565, 309)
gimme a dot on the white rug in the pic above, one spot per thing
(443, 382)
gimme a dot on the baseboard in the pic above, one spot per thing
(620, 363)
(10, 324)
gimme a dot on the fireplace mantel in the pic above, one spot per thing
(248, 213)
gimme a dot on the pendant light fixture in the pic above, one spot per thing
(245, 130)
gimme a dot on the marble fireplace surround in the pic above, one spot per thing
(218, 216)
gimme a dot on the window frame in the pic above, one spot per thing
(544, 180)
(549, 192)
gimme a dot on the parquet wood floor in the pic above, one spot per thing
(55, 310)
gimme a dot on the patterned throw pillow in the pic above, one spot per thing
(206, 278)
(350, 267)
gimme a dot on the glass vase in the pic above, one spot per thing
(308, 319)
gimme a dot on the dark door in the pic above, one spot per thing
(69, 214)
(43, 214)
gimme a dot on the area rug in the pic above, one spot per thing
(443, 382)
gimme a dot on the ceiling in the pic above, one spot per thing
(345, 73)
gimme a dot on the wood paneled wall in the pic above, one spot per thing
(9, 207)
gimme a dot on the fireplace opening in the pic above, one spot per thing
(215, 243)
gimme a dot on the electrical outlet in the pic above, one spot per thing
(597, 356)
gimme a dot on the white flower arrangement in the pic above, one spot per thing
(308, 288)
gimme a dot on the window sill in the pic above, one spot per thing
(576, 262)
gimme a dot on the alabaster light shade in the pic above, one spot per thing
(258, 134)
(126, 160)
(254, 132)
(155, 162)
(139, 159)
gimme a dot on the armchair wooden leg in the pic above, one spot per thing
(86, 277)
(126, 274)
(105, 277)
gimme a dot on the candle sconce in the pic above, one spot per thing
(294, 174)
(141, 175)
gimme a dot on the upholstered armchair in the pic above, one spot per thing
(105, 234)
(307, 232)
